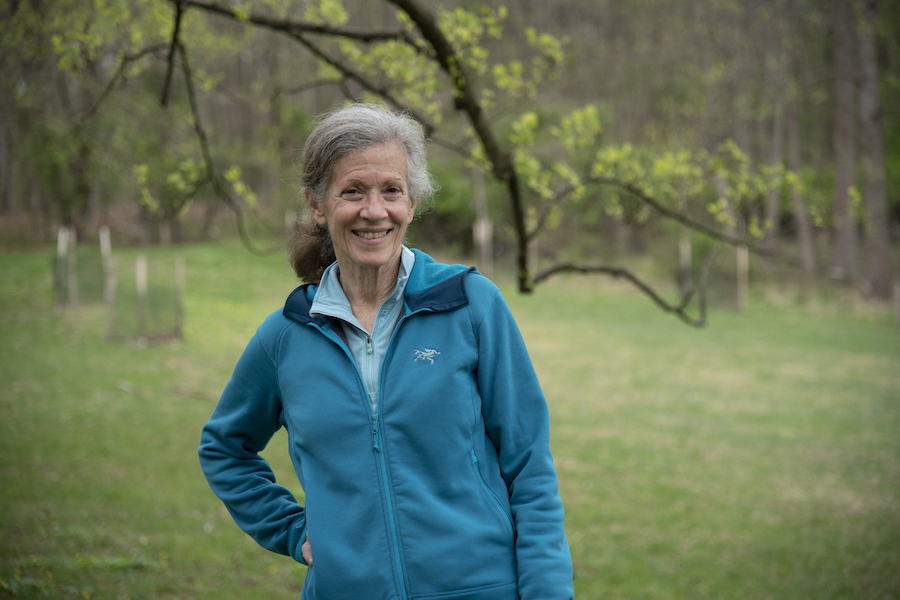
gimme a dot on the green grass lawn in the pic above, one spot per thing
(757, 458)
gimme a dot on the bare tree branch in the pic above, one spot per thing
(296, 27)
(350, 74)
(124, 61)
(295, 30)
(345, 88)
(704, 278)
(456, 147)
(642, 196)
(681, 218)
(621, 273)
(546, 208)
(305, 87)
(217, 187)
(179, 12)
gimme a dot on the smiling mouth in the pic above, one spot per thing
(372, 235)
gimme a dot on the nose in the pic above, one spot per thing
(373, 208)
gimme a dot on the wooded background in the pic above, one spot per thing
(568, 127)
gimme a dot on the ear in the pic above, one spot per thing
(317, 212)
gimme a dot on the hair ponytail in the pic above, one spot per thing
(310, 250)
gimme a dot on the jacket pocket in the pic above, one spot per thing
(491, 494)
(296, 537)
(503, 591)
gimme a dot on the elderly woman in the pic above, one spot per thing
(416, 423)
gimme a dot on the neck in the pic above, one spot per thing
(367, 289)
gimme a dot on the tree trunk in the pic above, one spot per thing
(209, 216)
(877, 240)
(801, 213)
(7, 145)
(773, 199)
(844, 265)
(722, 192)
(6, 164)
(483, 228)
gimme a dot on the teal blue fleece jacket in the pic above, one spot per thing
(447, 492)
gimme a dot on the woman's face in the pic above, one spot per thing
(367, 208)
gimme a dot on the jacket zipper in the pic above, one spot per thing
(376, 444)
(395, 542)
(395, 538)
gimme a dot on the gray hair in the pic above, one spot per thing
(357, 127)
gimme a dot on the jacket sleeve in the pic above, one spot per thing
(517, 421)
(247, 416)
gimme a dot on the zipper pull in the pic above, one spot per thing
(375, 433)
(369, 347)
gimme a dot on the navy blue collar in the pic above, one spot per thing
(445, 295)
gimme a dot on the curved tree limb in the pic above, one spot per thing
(295, 30)
(458, 148)
(350, 74)
(683, 219)
(176, 30)
(305, 87)
(295, 27)
(211, 177)
(642, 196)
(679, 310)
(124, 61)
(621, 273)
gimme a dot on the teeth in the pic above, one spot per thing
(371, 235)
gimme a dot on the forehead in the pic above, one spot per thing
(382, 161)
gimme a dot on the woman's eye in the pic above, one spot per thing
(351, 193)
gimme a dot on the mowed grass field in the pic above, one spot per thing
(757, 458)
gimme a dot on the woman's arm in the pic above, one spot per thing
(247, 416)
(517, 421)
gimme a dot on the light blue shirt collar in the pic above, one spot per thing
(331, 301)
(368, 348)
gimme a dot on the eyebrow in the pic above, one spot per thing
(355, 181)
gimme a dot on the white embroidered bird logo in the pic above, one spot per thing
(426, 354)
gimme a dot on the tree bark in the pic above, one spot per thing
(6, 170)
(844, 262)
(773, 199)
(801, 213)
(777, 64)
(877, 240)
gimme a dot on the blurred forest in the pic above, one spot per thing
(563, 130)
